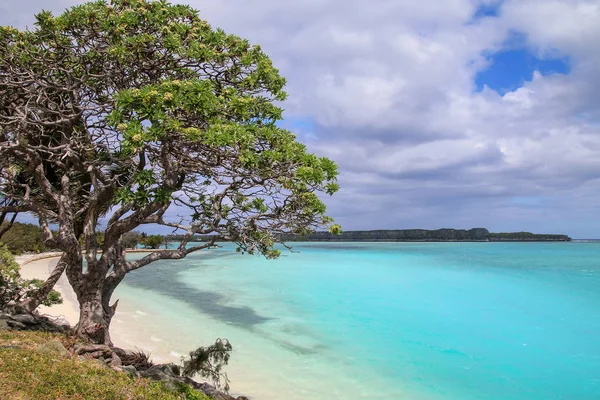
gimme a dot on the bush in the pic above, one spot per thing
(9, 277)
(208, 362)
(153, 241)
(13, 288)
(130, 240)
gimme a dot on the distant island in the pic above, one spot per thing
(424, 235)
(412, 235)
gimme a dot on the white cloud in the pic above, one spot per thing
(389, 86)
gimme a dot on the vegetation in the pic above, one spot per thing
(52, 376)
(135, 107)
(208, 362)
(131, 240)
(440, 235)
(14, 289)
(527, 236)
(152, 241)
(24, 238)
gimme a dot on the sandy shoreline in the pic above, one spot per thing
(127, 329)
(168, 328)
(40, 266)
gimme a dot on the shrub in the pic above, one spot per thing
(13, 288)
(208, 362)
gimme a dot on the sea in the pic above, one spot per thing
(358, 321)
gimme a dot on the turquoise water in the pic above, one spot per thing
(387, 320)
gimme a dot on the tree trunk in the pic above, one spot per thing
(94, 318)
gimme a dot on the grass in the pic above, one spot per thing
(26, 372)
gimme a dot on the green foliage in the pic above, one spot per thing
(130, 240)
(439, 235)
(335, 229)
(141, 109)
(190, 90)
(9, 277)
(99, 238)
(527, 236)
(190, 393)
(24, 238)
(208, 362)
(13, 288)
(152, 241)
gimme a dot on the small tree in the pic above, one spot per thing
(141, 112)
(152, 241)
(131, 240)
(208, 362)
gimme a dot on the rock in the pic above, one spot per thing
(160, 373)
(116, 361)
(209, 390)
(31, 322)
(26, 319)
(170, 369)
(53, 347)
(16, 325)
(130, 369)
(49, 325)
(99, 349)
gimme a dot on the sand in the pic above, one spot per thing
(40, 267)
(68, 311)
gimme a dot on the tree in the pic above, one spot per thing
(208, 362)
(152, 241)
(130, 240)
(125, 110)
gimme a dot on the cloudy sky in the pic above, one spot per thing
(453, 113)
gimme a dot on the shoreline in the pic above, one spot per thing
(278, 359)
(130, 328)
(40, 266)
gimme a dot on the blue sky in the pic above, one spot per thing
(461, 113)
(510, 69)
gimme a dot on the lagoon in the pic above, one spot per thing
(382, 320)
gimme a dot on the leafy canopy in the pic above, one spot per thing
(130, 107)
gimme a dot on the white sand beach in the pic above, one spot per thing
(34, 267)
(40, 267)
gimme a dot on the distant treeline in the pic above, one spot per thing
(24, 238)
(423, 235)
(413, 235)
(28, 238)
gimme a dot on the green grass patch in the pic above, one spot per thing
(28, 373)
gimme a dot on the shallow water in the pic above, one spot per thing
(382, 320)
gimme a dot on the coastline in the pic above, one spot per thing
(132, 328)
(40, 266)
(144, 321)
